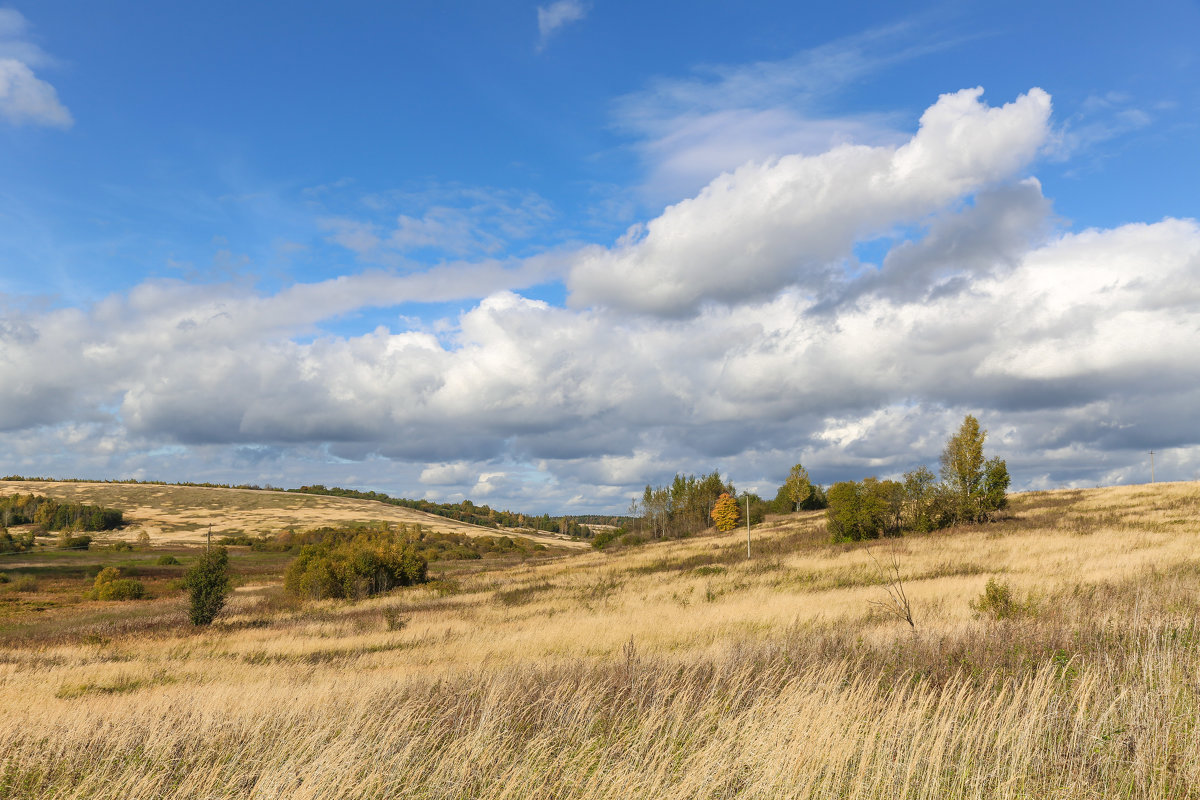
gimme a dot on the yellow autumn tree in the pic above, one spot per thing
(726, 513)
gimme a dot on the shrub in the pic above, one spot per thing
(208, 584)
(121, 589)
(167, 561)
(110, 585)
(3, 578)
(122, 546)
(143, 539)
(606, 537)
(26, 583)
(998, 601)
(68, 542)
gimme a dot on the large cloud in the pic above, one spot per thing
(765, 226)
(1076, 349)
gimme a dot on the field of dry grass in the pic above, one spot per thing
(183, 514)
(677, 669)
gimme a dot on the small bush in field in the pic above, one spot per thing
(26, 583)
(110, 585)
(998, 601)
(208, 584)
(167, 561)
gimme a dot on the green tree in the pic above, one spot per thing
(865, 509)
(798, 487)
(977, 487)
(208, 584)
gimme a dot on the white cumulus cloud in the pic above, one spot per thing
(768, 225)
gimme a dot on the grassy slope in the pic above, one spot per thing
(674, 670)
(183, 514)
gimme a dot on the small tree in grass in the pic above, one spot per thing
(207, 583)
(726, 512)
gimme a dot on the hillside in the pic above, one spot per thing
(183, 514)
(678, 669)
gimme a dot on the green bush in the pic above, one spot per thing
(26, 583)
(355, 569)
(122, 546)
(606, 537)
(3, 578)
(121, 589)
(167, 561)
(110, 585)
(68, 542)
(208, 584)
(999, 602)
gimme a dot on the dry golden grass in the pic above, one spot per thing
(675, 670)
(183, 514)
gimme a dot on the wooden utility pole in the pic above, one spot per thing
(209, 546)
(1152, 466)
(747, 494)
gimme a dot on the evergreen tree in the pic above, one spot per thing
(208, 584)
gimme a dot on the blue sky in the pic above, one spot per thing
(539, 255)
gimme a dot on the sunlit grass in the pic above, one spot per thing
(676, 669)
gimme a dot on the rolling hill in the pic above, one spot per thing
(183, 514)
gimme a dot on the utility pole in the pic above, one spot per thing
(747, 496)
(1152, 466)
(209, 546)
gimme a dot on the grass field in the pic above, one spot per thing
(184, 514)
(677, 669)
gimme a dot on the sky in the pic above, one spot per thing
(539, 256)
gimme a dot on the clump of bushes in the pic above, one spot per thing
(357, 568)
(259, 544)
(999, 602)
(110, 585)
(167, 561)
(617, 537)
(25, 583)
(15, 544)
(68, 542)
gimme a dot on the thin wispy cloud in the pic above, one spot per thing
(722, 116)
(556, 16)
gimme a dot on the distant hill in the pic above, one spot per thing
(184, 513)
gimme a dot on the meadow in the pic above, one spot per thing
(676, 669)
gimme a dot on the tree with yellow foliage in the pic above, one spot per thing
(726, 513)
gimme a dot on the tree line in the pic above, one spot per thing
(52, 515)
(971, 489)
